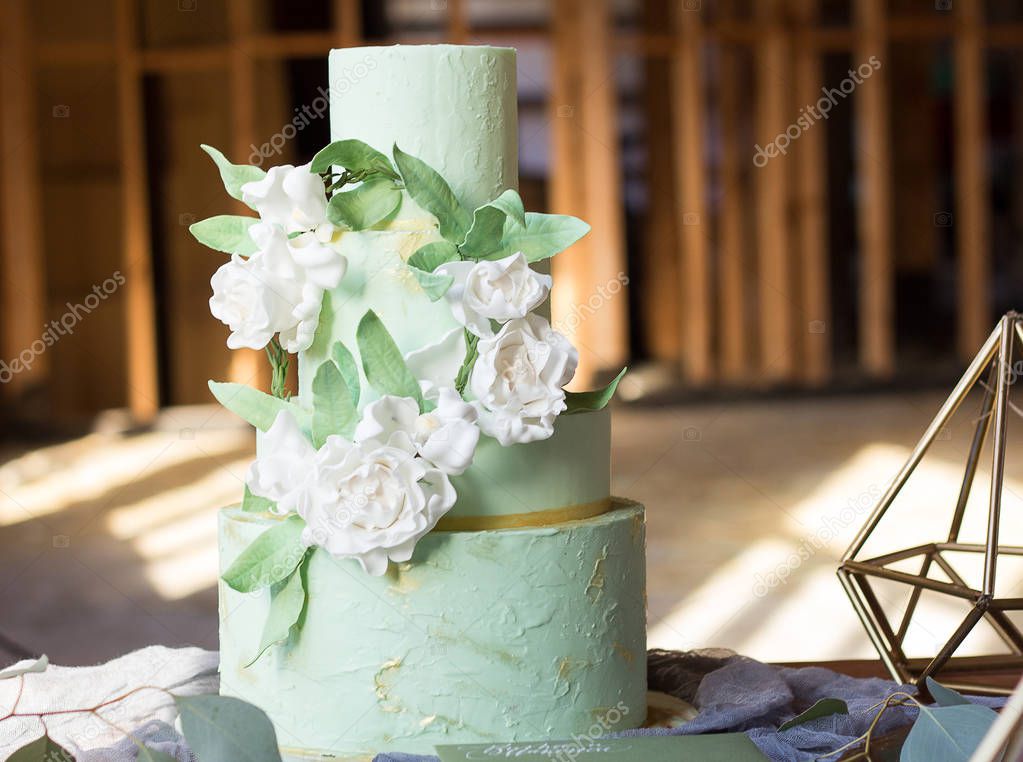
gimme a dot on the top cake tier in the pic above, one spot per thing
(452, 106)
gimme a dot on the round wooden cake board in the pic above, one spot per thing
(663, 711)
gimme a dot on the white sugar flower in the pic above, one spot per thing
(437, 365)
(518, 378)
(279, 289)
(284, 469)
(445, 436)
(501, 290)
(254, 300)
(289, 196)
(373, 504)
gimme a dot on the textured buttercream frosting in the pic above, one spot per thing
(503, 635)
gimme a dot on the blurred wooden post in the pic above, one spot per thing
(660, 303)
(690, 181)
(811, 190)
(458, 22)
(348, 22)
(971, 184)
(876, 288)
(570, 268)
(140, 309)
(731, 248)
(22, 277)
(602, 189)
(771, 193)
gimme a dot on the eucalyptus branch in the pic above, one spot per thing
(278, 368)
(462, 379)
(895, 699)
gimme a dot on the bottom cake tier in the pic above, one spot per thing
(502, 635)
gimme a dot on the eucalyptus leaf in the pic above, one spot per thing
(432, 255)
(226, 728)
(353, 155)
(287, 600)
(269, 558)
(947, 733)
(543, 236)
(334, 412)
(43, 749)
(382, 362)
(255, 504)
(434, 284)
(826, 707)
(234, 175)
(365, 206)
(944, 696)
(256, 407)
(428, 189)
(579, 402)
(342, 357)
(488, 225)
(39, 665)
(228, 233)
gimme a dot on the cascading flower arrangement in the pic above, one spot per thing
(366, 479)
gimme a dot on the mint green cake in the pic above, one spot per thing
(427, 551)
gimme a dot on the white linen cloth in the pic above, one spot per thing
(181, 671)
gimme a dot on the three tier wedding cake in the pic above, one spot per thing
(427, 550)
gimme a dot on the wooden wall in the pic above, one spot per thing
(102, 106)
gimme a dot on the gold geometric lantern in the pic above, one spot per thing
(992, 368)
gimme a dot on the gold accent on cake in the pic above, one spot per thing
(522, 520)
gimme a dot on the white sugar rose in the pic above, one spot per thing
(253, 301)
(518, 378)
(290, 196)
(373, 504)
(279, 289)
(445, 436)
(284, 469)
(501, 290)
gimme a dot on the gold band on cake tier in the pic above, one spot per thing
(523, 520)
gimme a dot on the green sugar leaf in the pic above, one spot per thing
(227, 728)
(228, 233)
(434, 284)
(255, 504)
(355, 156)
(342, 357)
(43, 749)
(579, 402)
(39, 665)
(432, 193)
(823, 708)
(382, 362)
(488, 225)
(256, 407)
(432, 255)
(334, 411)
(287, 601)
(270, 558)
(373, 201)
(543, 236)
(234, 175)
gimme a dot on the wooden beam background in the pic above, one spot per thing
(745, 293)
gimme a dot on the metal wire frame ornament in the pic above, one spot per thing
(995, 361)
